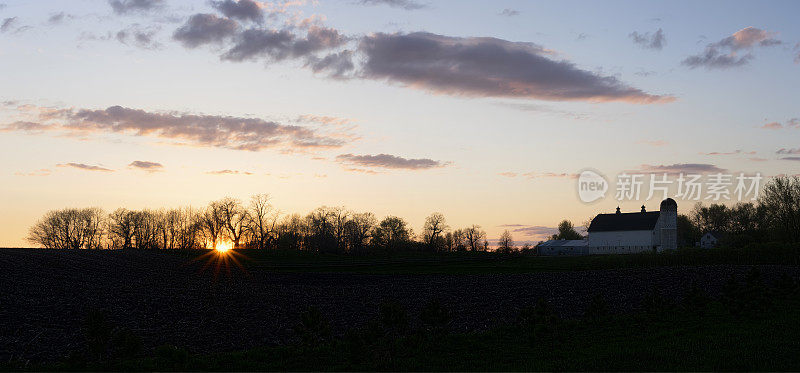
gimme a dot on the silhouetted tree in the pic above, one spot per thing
(714, 217)
(262, 221)
(391, 234)
(234, 217)
(566, 231)
(435, 225)
(781, 205)
(473, 236)
(292, 232)
(121, 228)
(506, 242)
(213, 224)
(69, 229)
(321, 229)
(358, 229)
(688, 233)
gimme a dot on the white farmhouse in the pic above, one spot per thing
(634, 232)
(710, 239)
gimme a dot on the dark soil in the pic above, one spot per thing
(45, 297)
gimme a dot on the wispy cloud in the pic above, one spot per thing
(323, 119)
(59, 18)
(797, 53)
(791, 123)
(229, 172)
(85, 167)
(402, 4)
(735, 152)
(39, 172)
(686, 168)
(557, 175)
(390, 162)
(536, 232)
(139, 36)
(228, 132)
(655, 40)
(539, 175)
(788, 151)
(12, 25)
(726, 53)
(147, 166)
(509, 12)
(134, 6)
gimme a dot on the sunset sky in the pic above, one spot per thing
(482, 110)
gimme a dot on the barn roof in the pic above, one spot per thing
(564, 243)
(631, 221)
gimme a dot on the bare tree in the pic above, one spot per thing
(145, 229)
(213, 224)
(435, 225)
(69, 229)
(292, 232)
(262, 221)
(506, 242)
(234, 216)
(473, 236)
(357, 230)
(121, 228)
(339, 218)
(188, 229)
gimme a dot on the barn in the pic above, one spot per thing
(623, 233)
(633, 232)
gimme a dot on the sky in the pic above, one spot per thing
(485, 111)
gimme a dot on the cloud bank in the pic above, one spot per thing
(228, 132)
(458, 66)
(686, 168)
(389, 161)
(85, 167)
(488, 67)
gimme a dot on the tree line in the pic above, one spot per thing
(253, 225)
(774, 217)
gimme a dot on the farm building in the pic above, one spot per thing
(624, 233)
(711, 239)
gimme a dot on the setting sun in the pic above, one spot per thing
(223, 246)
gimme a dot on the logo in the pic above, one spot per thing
(591, 186)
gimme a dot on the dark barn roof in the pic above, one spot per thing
(632, 221)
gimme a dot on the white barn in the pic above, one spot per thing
(624, 233)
